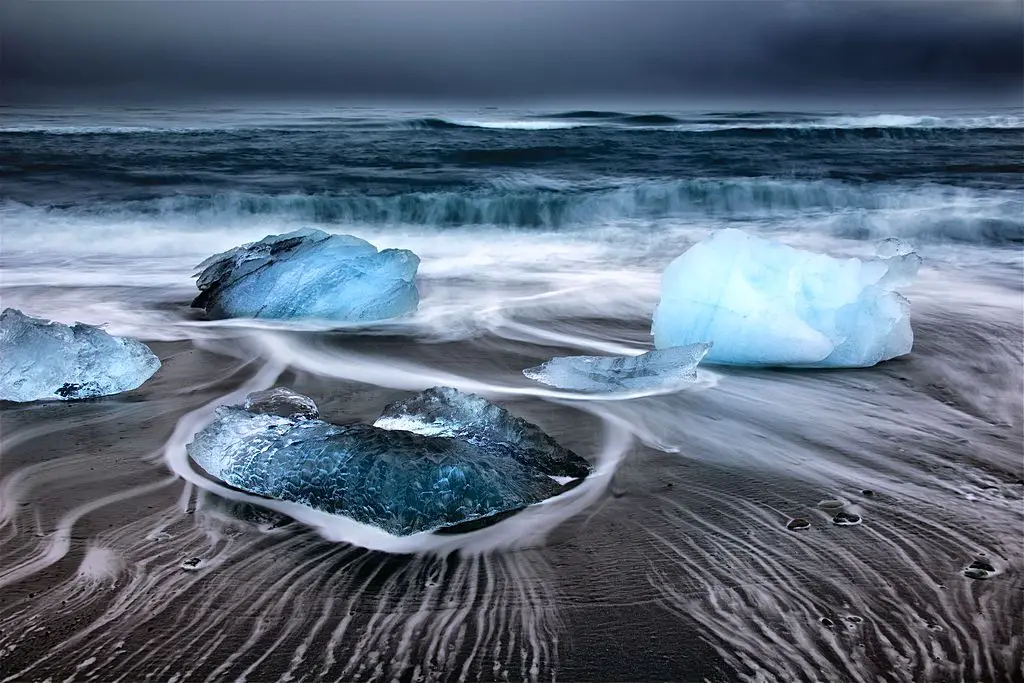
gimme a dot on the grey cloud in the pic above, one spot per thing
(508, 48)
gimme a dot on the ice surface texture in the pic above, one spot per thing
(443, 411)
(650, 370)
(282, 402)
(765, 303)
(42, 360)
(309, 274)
(397, 480)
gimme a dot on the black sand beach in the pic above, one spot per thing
(683, 569)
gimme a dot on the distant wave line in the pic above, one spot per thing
(738, 123)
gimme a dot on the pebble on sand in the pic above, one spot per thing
(980, 569)
(192, 564)
(846, 519)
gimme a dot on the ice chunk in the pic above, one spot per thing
(444, 411)
(399, 481)
(765, 303)
(309, 274)
(902, 261)
(42, 360)
(283, 402)
(649, 370)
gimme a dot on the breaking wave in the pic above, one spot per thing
(800, 120)
(931, 212)
(528, 124)
(731, 123)
(737, 124)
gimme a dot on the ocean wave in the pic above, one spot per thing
(557, 205)
(521, 124)
(860, 127)
(533, 202)
(905, 121)
(735, 123)
(110, 130)
(738, 123)
(587, 114)
(939, 225)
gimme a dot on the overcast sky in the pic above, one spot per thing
(510, 49)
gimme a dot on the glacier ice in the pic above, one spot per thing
(400, 481)
(283, 402)
(309, 274)
(42, 360)
(443, 411)
(765, 303)
(658, 368)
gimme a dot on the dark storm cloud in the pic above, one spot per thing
(509, 48)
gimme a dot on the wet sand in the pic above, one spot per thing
(679, 568)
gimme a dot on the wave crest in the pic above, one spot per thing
(934, 213)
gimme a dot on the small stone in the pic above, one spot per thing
(827, 623)
(854, 619)
(798, 524)
(831, 504)
(867, 492)
(980, 569)
(846, 519)
(982, 564)
(192, 564)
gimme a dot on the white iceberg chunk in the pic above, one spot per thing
(47, 361)
(765, 303)
(309, 274)
(658, 368)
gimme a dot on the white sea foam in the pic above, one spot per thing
(518, 125)
(272, 120)
(893, 121)
(103, 130)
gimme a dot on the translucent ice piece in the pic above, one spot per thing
(399, 481)
(309, 274)
(765, 303)
(650, 370)
(283, 402)
(42, 360)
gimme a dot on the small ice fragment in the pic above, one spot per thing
(193, 564)
(766, 303)
(798, 524)
(892, 246)
(309, 274)
(42, 360)
(980, 569)
(846, 519)
(661, 367)
(282, 402)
